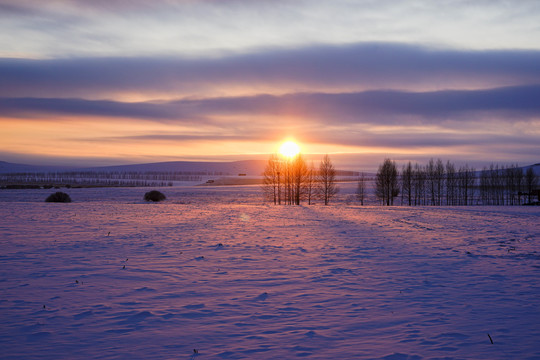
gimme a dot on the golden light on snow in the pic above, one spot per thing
(289, 149)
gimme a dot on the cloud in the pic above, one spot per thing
(415, 140)
(396, 140)
(323, 68)
(197, 71)
(376, 107)
(187, 27)
(217, 136)
(47, 107)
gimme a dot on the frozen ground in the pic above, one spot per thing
(214, 269)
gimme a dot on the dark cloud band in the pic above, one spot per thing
(358, 66)
(360, 107)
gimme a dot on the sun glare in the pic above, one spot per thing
(289, 149)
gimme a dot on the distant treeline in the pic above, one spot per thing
(101, 178)
(347, 173)
(438, 183)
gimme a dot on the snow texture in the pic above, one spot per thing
(213, 273)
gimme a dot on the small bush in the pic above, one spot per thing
(154, 195)
(58, 197)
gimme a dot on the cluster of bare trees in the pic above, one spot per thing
(289, 181)
(506, 185)
(386, 182)
(438, 184)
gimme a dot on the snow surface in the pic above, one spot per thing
(216, 270)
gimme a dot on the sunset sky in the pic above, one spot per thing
(116, 82)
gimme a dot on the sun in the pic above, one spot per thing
(289, 149)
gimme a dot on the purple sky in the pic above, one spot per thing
(115, 82)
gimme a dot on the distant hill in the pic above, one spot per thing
(248, 167)
(536, 168)
(7, 167)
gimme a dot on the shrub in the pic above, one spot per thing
(58, 197)
(154, 195)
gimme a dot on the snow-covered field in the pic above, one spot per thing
(214, 269)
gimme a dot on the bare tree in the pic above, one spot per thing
(271, 179)
(484, 186)
(531, 183)
(519, 182)
(431, 179)
(327, 180)
(299, 172)
(386, 186)
(467, 181)
(513, 178)
(287, 180)
(407, 182)
(496, 184)
(439, 181)
(361, 189)
(310, 182)
(451, 183)
(419, 181)
(435, 176)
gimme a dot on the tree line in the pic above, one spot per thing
(438, 183)
(289, 181)
(101, 178)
